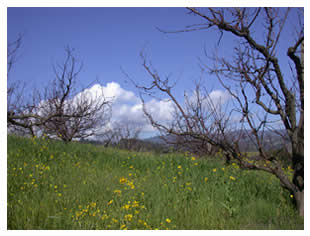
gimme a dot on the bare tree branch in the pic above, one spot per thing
(255, 81)
(60, 112)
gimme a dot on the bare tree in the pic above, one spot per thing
(60, 112)
(261, 93)
(12, 52)
(72, 115)
(129, 132)
(18, 106)
(124, 133)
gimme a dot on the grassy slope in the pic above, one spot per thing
(52, 185)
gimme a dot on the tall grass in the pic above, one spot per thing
(52, 185)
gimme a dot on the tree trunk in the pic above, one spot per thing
(298, 178)
(299, 198)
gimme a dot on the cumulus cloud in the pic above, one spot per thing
(161, 110)
(119, 94)
(126, 106)
(112, 91)
(219, 96)
(215, 98)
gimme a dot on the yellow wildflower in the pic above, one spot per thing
(128, 217)
(117, 191)
(130, 184)
(104, 216)
(232, 178)
(122, 180)
(110, 202)
(78, 213)
(168, 220)
(214, 170)
(127, 206)
(206, 179)
(93, 204)
(135, 204)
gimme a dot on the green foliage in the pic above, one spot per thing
(52, 185)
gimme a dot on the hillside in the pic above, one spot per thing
(52, 185)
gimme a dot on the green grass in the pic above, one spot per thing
(52, 185)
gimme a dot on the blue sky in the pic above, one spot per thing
(106, 39)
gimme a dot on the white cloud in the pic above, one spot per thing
(215, 98)
(126, 106)
(219, 96)
(161, 110)
(113, 90)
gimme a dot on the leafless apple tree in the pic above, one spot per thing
(261, 93)
(123, 133)
(59, 111)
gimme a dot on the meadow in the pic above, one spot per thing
(52, 185)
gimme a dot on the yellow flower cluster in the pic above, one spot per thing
(128, 217)
(90, 210)
(129, 183)
(123, 180)
(117, 191)
(232, 178)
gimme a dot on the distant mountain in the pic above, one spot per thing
(155, 139)
(272, 140)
